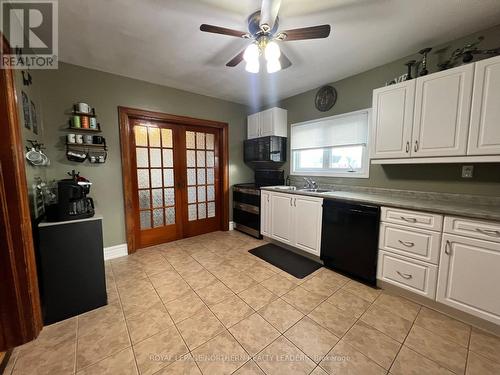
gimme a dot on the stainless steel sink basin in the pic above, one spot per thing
(316, 190)
(284, 187)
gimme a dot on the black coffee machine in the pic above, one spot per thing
(72, 201)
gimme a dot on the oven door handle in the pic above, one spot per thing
(246, 208)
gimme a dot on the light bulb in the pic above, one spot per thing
(273, 66)
(272, 51)
(252, 66)
(251, 53)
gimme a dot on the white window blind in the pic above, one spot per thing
(334, 146)
(341, 130)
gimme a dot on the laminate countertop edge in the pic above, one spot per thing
(468, 210)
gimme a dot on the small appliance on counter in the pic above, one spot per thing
(72, 201)
(246, 201)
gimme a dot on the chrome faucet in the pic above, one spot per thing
(310, 183)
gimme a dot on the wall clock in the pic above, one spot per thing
(325, 98)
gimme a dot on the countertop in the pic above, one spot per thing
(50, 223)
(429, 203)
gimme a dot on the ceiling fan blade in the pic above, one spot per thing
(313, 32)
(284, 61)
(222, 30)
(236, 59)
(269, 13)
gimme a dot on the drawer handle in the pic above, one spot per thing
(409, 219)
(447, 248)
(406, 276)
(407, 243)
(489, 232)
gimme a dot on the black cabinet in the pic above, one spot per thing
(70, 261)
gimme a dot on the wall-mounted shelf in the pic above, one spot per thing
(86, 145)
(86, 130)
(76, 113)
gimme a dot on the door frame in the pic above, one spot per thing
(20, 310)
(125, 115)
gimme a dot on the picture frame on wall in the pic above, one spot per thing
(34, 121)
(26, 110)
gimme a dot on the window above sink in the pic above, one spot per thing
(335, 146)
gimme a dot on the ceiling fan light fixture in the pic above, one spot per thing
(252, 66)
(272, 51)
(251, 54)
(273, 66)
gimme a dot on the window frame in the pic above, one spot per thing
(364, 172)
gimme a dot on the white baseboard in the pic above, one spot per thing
(231, 225)
(116, 251)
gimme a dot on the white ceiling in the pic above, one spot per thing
(159, 40)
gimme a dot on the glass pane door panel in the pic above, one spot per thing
(155, 175)
(200, 159)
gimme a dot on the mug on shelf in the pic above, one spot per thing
(98, 140)
(71, 138)
(75, 122)
(93, 123)
(87, 139)
(85, 122)
(79, 138)
(83, 107)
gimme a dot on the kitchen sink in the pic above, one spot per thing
(284, 187)
(316, 190)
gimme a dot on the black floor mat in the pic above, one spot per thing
(290, 262)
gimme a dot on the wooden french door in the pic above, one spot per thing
(174, 176)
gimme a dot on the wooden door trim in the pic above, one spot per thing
(20, 311)
(125, 115)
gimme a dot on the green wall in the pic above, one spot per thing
(70, 84)
(355, 93)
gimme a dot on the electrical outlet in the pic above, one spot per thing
(467, 171)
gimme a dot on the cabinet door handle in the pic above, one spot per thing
(291, 202)
(447, 248)
(488, 232)
(409, 219)
(416, 146)
(295, 202)
(407, 243)
(407, 146)
(406, 276)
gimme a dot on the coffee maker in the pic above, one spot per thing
(72, 201)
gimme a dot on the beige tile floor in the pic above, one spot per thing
(204, 305)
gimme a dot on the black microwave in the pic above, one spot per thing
(265, 152)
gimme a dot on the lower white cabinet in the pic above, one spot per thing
(307, 218)
(265, 219)
(469, 276)
(292, 219)
(281, 217)
(416, 276)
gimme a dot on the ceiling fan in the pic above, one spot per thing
(263, 32)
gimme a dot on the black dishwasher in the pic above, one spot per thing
(349, 239)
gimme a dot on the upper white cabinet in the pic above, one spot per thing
(484, 137)
(449, 116)
(253, 127)
(272, 121)
(393, 120)
(442, 112)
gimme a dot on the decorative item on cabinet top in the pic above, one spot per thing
(80, 148)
